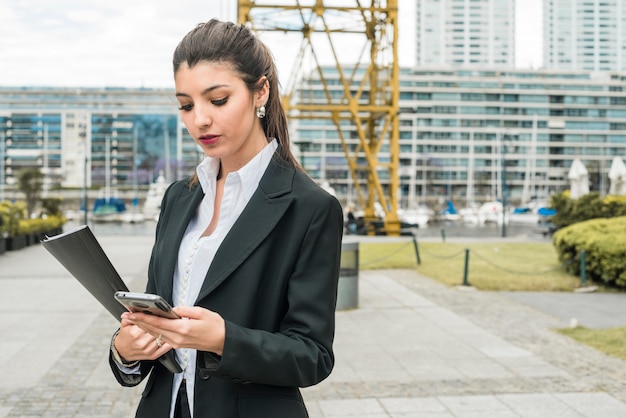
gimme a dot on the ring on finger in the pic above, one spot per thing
(159, 342)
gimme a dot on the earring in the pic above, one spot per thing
(260, 112)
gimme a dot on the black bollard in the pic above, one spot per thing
(465, 270)
(417, 252)
(583, 269)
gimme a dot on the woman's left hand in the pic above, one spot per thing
(198, 328)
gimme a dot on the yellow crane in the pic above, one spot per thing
(368, 92)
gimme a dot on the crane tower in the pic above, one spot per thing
(356, 42)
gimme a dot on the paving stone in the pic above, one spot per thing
(413, 348)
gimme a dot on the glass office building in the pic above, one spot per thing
(469, 135)
(123, 137)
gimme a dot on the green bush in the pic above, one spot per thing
(11, 214)
(40, 225)
(604, 243)
(590, 206)
(13, 220)
(52, 205)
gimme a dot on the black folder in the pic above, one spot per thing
(80, 253)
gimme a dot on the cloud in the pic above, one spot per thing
(130, 42)
(96, 43)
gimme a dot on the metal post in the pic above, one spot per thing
(166, 140)
(2, 139)
(417, 252)
(503, 174)
(45, 164)
(443, 235)
(135, 181)
(466, 268)
(179, 150)
(583, 269)
(85, 184)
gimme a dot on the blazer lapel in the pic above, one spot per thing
(268, 204)
(186, 203)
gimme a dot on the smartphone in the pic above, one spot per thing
(146, 303)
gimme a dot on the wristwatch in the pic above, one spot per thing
(116, 356)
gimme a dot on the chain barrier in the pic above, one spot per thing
(486, 260)
(563, 265)
(441, 257)
(387, 256)
(461, 252)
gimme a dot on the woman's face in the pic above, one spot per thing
(220, 112)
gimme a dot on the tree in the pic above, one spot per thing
(52, 206)
(30, 182)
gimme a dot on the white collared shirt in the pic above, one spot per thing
(196, 252)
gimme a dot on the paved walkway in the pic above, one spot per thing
(413, 348)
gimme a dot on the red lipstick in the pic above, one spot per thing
(208, 139)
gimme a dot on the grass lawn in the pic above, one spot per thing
(610, 341)
(491, 266)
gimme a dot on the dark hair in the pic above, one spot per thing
(235, 45)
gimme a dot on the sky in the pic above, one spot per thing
(129, 43)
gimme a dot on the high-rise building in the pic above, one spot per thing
(585, 35)
(477, 33)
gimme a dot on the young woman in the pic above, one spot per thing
(247, 251)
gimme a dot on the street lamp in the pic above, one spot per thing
(1, 166)
(505, 192)
(85, 174)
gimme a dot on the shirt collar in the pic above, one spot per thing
(249, 175)
(207, 172)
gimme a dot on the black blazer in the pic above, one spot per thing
(274, 281)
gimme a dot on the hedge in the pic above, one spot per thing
(604, 243)
(590, 206)
(13, 220)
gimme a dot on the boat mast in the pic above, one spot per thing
(135, 192)
(470, 172)
(45, 161)
(529, 177)
(107, 170)
(168, 174)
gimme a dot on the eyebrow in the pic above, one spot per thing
(205, 91)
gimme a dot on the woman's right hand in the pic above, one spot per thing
(132, 343)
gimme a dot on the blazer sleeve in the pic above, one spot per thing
(130, 380)
(300, 352)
